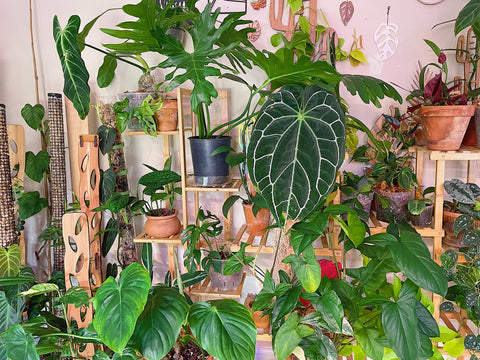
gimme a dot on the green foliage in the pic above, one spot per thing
(30, 203)
(10, 261)
(36, 165)
(33, 115)
(144, 114)
(106, 136)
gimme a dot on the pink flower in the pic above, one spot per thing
(329, 269)
(442, 58)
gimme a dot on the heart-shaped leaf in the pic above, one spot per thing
(20, 346)
(107, 186)
(36, 165)
(106, 137)
(10, 261)
(289, 336)
(296, 147)
(33, 115)
(30, 204)
(226, 320)
(110, 234)
(159, 325)
(306, 269)
(118, 306)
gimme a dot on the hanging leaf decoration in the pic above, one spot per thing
(386, 38)
(346, 11)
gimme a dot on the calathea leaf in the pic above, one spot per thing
(36, 165)
(74, 71)
(33, 115)
(296, 147)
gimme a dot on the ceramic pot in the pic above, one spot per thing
(256, 225)
(450, 239)
(167, 117)
(425, 218)
(162, 226)
(224, 282)
(476, 120)
(262, 323)
(445, 126)
(209, 170)
(398, 205)
(365, 200)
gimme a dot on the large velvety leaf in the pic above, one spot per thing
(33, 115)
(106, 136)
(226, 320)
(159, 325)
(118, 306)
(400, 325)
(289, 336)
(20, 346)
(74, 71)
(36, 165)
(10, 261)
(296, 147)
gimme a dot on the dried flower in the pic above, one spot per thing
(442, 58)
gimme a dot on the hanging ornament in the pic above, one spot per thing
(346, 11)
(253, 36)
(386, 38)
(258, 4)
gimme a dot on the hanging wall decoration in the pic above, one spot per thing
(253, 36)
(386, 38)
(346, 11)
(277, 8)
(258, 4)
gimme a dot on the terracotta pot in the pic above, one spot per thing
(450, 239)
(398, 204)
(162, 226)
(425, 218)
(167, 117)
(224, 282)
(262, 323)
(256, 225)
(445, 126)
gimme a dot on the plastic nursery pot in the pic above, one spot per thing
(167, 117)
(445, 126)
(398, 205)
(424, 219)
(224, 282)
(162, 226)
(256, 225)
(209, 170)
(365, 200)
(135, 99)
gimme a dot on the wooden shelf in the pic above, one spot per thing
(232, 186)
(140, 132)
(377, 227)
(464, 153)
(174, 240)
(205, 289)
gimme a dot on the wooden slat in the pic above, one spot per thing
(205, 289)
(232, 186)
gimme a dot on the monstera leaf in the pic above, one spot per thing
(159, 325)
(226, 320)
(296, 147)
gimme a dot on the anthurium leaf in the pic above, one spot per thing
(74, 71)
(306, 269)
(106, 136)
(289, 336)
(108, 184)
(109, 235)
(36, 165)
(227, 320)
(159, 324)
(106, 71)
(400, 326)
(120, 304)
(20, 346)
(366, 338)
(33, 115)
(10, 261)
(297, 129)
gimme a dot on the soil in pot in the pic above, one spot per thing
(162, 226)
(188, 352)
(365, 201)
(256, 225)
(399, 199)
(445, 126)
(167, 117)
(224, 282)
(209, 170)
(425, 218)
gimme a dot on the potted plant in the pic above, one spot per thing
(356, 191)
(159, 185)
(462, 216)
(444, 115)
(224, 266)
(421, 208)
(141, 116)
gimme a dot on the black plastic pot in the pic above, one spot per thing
(209, 170)
(423, 219)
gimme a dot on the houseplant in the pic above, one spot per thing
(445, 116)
(159, 185)
(421, 208)
(356, 191)
(141, 116)
(224, 266)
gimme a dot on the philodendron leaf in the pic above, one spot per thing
(118, 305)
(8, 314)
(296, 147)
(39, 289)
(33, 115)
(10, 261)
(75, 72)
(106, 136)
(289, 336)
(30, 204)
(226, 320)
(159, 324)
(306, 269)
(20, 345)
(36, 165)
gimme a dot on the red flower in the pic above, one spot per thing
(442, 58)
(329, 269)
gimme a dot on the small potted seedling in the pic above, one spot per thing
(421, 208)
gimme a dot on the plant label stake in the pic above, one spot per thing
(346, 11)
(386, 38)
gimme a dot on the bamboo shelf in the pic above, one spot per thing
(205, 290)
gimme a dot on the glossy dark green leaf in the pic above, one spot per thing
(297, 129)
(227, 205)
(289, 336)
(367, 337)
(318, 347)
(330, 306)
(115, 203)
(120, 304)
(76, 296)
(30, 204)
(20, 346)
(369, 88)
(74, 71)
(112, 270)
(426, 323)
(285, 303)
(109, 235)
(159, 324)
(301, 241)
(227, 320)
(147, 258)
(36, 165)
(106, 72)
(33, 115)
(106, 137)
(10, 261)
(306, 269)
(107, 185)
(265, 296)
